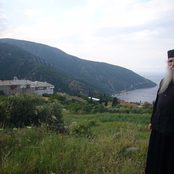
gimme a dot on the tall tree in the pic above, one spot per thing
(91, 98)
(114, 101)
(106, 102)
(100, 99)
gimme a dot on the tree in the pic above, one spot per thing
(2, 92)
(99, 108)
(58, 97)
(114, 101)
(106, 102)
(100, 99)
(146, 105)
(25, 110)
(87, 108)
(2, 113)
(21, 110)
(91, 98)
(75, 107)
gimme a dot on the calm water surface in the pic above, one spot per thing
(147, 94)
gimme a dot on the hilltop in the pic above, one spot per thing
(96, 77)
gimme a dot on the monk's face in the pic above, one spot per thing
(171, 63)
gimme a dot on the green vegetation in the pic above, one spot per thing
(2, 92)
(37, 136)
(18, 62)
(103, 145)
(18, 111)
(74, 75)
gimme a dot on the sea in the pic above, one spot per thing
(146, 94)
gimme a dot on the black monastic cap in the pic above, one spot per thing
(170, 53)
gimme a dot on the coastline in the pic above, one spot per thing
(142, 95)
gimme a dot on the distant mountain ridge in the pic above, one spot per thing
(101, 77)
(15, 61)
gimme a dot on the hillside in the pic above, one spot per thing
(15, 61)
(103, 77)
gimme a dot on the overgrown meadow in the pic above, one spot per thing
(89, 143)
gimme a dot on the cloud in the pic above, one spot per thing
(128, 33)
(32, 13)
(144, 35)
(134, 14)
(3, 19)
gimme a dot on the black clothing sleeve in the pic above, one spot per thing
(154, 108)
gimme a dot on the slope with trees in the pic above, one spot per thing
(103, 77)
(15, 61)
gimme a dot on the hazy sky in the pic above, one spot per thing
(135, 34)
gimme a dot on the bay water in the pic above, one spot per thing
(146, 94)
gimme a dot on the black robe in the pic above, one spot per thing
(160, 157)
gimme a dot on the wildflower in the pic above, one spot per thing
(116, 162)
(103, 167)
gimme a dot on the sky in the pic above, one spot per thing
(134, 34)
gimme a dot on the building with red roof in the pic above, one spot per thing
(129, 104)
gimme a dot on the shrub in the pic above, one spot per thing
(83, 128)
(2, 92)
(51, 115)
(2, 113)
(75, 107)
(99, 108)
(25, 110)
(146, 105)
(56, 110)
(86, 109)
(20, 110)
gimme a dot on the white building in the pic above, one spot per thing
(21, 86)
(95, 99)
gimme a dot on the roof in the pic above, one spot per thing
(124, 102)
(95, 99)
(24, 82)
(129, 104)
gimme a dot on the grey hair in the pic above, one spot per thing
(167, 79)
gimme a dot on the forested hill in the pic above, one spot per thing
(103, 77)
(15, 61)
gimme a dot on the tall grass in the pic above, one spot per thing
(34, 150)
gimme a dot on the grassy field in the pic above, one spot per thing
(117, 145)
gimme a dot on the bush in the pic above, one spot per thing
(83, 128)
(51, 115)
(75, 107)
(2, 113)
(86, 109)
(99, 108)
(2, 92)
(56, 110)
(146, 105)
(20, 110)
(25, 110)
(58, 97)
(47, 95)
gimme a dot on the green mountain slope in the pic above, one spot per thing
(15, 61)
(103, 77)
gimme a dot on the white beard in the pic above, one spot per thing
(167, 79)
